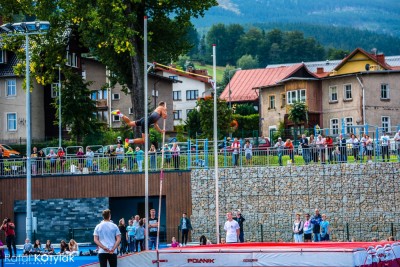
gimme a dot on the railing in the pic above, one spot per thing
(201, 160)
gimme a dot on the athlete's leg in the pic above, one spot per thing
(124, 118)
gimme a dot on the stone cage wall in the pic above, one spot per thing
(361, 201)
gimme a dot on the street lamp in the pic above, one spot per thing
(27, 28)
(230, 101)
(59, 106)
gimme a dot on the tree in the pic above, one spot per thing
(193, 124)
(245, 109)
(298, 113)
(113, 32)
(247, 62)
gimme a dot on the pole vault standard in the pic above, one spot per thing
(146, 136)
(161, 184)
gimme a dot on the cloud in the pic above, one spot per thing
(228, 5)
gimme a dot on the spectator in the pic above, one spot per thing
(313, 149)
(316, 221)
(305, 149)
(130, 156)
(139, 158)
(298, 225)
(342, 148)
(34, 156)
(167, 155)
(203, 240)
(325, 229)
(111, 158)
(290, 148)
(80, 155)
(120, 155)
(119, 141)
(53, 159)
(320, 143)
(385, 147)
(107, 237)
(355, 146)
(240, 219)
(27, 247)
(175, 150)
(308, 228)
(89, 158)
(131, 230)
(280, 145)
(153, 229)
(95, 167)
(9, 229)
(73, 248)
(122, 230)
(185, 226)
(139, 236)
(63, 247)
(37, 248)
(329, 146)
(397, 143)
(248, 152)
(174, 244)
(232, 229)
(369, 145)
(235, 153)
(61, 158)
(136, 221)
(363, 146)
(49, 249)
(153, 157)
(41, 163)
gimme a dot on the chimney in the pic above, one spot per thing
(320, 70)
(381, 58)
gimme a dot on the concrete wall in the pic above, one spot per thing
(364, 196)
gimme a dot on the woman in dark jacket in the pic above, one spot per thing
(185, 226)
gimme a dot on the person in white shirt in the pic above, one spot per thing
(397, 142)
(385, 147)
(232, 229)
(107, 236)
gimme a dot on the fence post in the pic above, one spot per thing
(178, 234)
(347, 232)
(391, 229)
(262, 232)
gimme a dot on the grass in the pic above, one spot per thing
(209, 68)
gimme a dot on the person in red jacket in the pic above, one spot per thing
(329, 145)
(9, 228)
(290, 148)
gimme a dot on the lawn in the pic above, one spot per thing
(209, 68)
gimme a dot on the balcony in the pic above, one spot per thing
(101, 103)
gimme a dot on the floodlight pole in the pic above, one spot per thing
(146, 134)
(59, 108)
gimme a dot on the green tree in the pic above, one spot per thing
(193, 123)
(206, 110)
(227, 76)
(298, 113)
(247, 62)
(245, 109)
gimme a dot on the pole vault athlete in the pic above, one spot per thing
(159, 112)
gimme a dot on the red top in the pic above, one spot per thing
(8, 229)
(329, 142)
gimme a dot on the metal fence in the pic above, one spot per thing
(201, 160)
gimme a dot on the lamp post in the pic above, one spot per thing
(59, 106)
(27, 28)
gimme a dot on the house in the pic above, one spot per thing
(285, 86)
(13, 104)
(193, 84)
(362, 89)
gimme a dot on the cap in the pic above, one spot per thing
(280, 138)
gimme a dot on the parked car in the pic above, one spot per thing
(9, 152)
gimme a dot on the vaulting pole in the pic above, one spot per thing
(161, 184)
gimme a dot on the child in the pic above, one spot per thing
(27, 247)
(160, 111)
(174, 243)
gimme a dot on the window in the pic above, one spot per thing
(335, 126)
(192, 94)
(102, 115)
(115, 96)
(347, 92)
(349, 123)
(130, 111)
(116, 118)
(271, 101)
(176, 95)
(385, 123)
(11, 87)
(93, 95)
(385, 91)
(11, 122)
(283, 100)
(333, 95)
(177, 114)
(296, 96)
(54, 90)
(3, 56)
(188, 111)
(72, 60)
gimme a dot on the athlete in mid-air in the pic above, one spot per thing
(158, 113)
